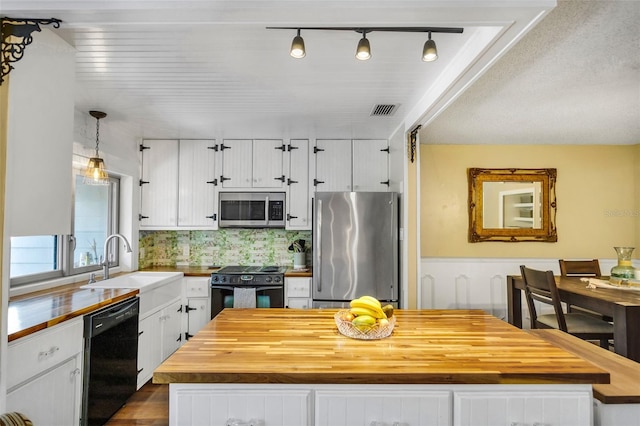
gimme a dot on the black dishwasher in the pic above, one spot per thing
(110, 360)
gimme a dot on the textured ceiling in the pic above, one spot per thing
(573, 79)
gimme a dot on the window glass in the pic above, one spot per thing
(34, 255)
(90, 223)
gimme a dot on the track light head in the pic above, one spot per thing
(429, 51)
(363, 52)
(297, 47)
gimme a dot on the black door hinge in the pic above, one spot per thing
(289, 217)
(187, 336)
(223, 147)
(316, 149)
(289, 181)
(213, 182)
(282, 148)
(143, 182)
(212, 217)
(316, 182)
(385, 149)
(214, 147)
(281, 178)
(140, 217)
(290, 147)
(142, 147)
(385, 183)
(222, 178)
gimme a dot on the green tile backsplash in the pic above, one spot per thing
(222, 247)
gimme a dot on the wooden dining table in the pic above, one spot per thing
(620, 304)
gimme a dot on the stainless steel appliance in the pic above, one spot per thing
(267, 282)
(251, 210)
(110, 360)
(355, 247)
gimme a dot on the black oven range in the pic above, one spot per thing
(247, 287)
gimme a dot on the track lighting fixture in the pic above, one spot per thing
(429, 51)
(363, 51)
(96, 173)
(297, 47)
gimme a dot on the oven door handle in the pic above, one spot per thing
(221, 287)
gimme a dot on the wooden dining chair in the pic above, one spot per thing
(581, 268)
(541, 286)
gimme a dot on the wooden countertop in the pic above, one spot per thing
(624, 386)
(36, 311)
(204, 271)
(427, 347)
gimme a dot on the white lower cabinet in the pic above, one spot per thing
(380, 405)
(297, 292)
(197, 304)
(524, 407)
(242, 405)
(44, 374)
(160, 327)
(381, 408)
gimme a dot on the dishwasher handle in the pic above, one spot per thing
(109, 317)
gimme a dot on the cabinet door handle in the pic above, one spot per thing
(140, 371)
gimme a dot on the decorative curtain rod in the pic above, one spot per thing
(451, 30)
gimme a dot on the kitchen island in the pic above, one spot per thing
(287, 366)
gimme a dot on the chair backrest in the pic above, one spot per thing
(579, 268)
(541, 286)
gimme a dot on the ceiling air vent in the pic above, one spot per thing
(383, 110)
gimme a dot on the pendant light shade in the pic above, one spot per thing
(96, 173)
(297, 47)
(363, 52)
(429, 51)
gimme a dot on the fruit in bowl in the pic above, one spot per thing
(366, 319)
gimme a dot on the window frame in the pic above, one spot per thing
(65, 244)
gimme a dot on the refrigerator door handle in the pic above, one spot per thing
(318, 244)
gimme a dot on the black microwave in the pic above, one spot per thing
(251, 210)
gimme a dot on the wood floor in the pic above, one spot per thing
(148, 406)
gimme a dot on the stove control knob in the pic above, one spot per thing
(276, 279)
(267, 279)
(215, 279)
(224, 279)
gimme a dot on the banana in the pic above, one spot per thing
(368, 304)
(362, 311)
(372, 299)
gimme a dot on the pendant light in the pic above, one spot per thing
(363, 52)
(429, 51)
(96, 174)
(297, 47)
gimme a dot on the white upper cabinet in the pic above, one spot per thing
(178, 184)
(352, 165)
(196, 182)
(252, 163)
(298, 201)
(371, 165)
(333, 165)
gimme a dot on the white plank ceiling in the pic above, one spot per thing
(211, 69)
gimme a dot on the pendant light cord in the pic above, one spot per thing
(97, 135)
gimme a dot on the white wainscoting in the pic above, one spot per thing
(477, 283)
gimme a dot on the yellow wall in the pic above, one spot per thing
(598, 192)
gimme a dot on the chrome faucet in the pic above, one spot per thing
(105, 263)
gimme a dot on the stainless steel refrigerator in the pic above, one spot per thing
(355, 247)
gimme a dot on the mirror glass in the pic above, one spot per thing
(512, 205)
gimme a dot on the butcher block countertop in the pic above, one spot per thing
(204, 271)
(39, 310)
(426, 347)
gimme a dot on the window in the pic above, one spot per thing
(95, 216)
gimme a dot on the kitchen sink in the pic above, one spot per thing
(137, 280)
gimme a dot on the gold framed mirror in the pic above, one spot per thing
(512, 205)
